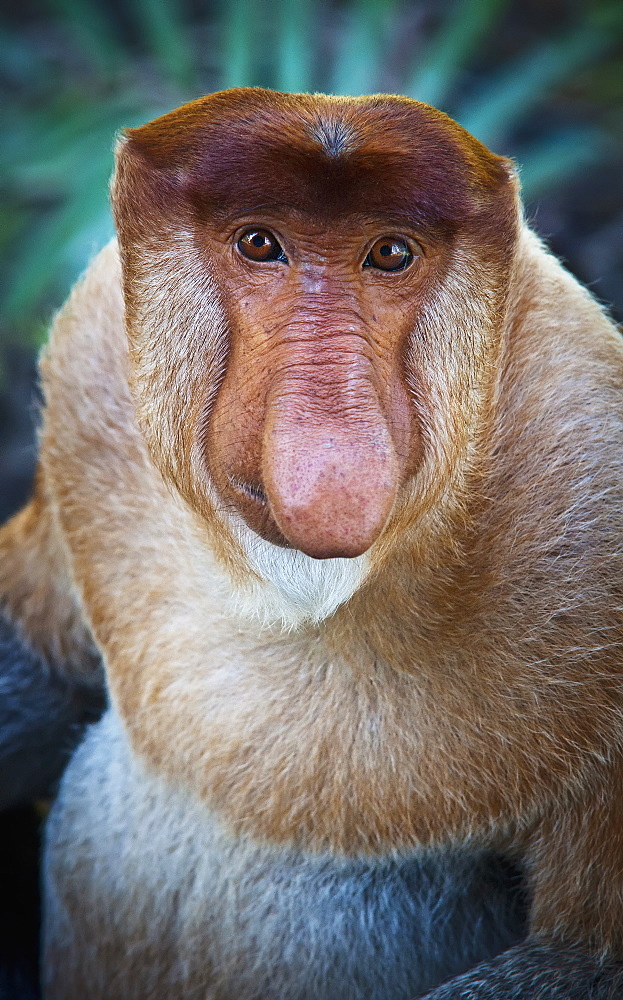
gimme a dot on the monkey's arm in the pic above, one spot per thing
(575, 921)
(534, 971)
(50, 675)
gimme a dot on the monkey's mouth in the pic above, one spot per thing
(251, 490)
(250, 502)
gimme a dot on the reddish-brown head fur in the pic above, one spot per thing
(301, 407)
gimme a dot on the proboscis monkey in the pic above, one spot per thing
(331, 472)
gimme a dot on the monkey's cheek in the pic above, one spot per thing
(263, 524)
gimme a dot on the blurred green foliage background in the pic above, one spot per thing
(540, 82)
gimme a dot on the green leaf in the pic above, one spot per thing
(163, 25)
(361, 52)
(239, 31)
(447, 54)
(92, 29)
(495, 109)
(41, 257)
(294, 44)
(549, 163)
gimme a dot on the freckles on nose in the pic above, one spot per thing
(330, 481)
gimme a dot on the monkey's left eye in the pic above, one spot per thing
(260, 245)
(389, 254)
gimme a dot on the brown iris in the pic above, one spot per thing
(260, 245)
(390, 253)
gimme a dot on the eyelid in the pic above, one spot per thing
(240, 230)
(412, 243)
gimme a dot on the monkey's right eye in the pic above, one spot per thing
(260, 245)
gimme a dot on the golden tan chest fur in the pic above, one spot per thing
(434, 711)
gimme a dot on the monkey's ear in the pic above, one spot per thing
(147, 195)
(51, 683)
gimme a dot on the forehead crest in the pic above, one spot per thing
(321, 155)
(333, 134)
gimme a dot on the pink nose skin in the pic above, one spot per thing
(330, 480)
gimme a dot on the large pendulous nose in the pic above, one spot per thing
(329, 466)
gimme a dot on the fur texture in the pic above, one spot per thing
(42, 718)
(535, 973)
(289, 588)
(51, 677)
(220, 916)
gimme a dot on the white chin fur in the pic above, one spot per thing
(294, 588)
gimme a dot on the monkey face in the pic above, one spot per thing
(312, 393)
(315, 291)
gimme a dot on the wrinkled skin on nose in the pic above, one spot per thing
(310, 443)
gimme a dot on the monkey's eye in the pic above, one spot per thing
(389, 254)
(260, 245)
